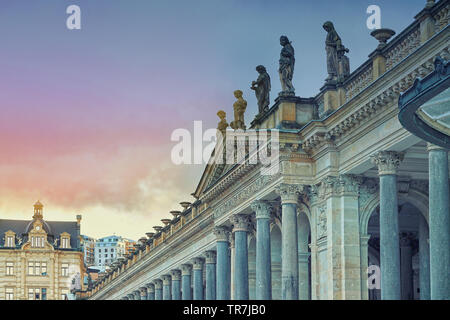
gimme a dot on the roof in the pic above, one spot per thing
(53, 228)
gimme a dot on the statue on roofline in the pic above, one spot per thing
(286, 70)
(239, 109)
(262, 89)
(338, 64)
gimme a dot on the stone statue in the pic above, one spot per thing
(223, 124)
(286, 70)
(338, 64)
(262, 89)
(239, 109)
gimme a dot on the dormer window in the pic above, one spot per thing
(65, 240)
(37, 242)
(10, 239)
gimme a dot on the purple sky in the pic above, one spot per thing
(86, 115)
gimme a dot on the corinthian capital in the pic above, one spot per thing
(221, 234)
(387, 161)
(262, 209)
(289, 192)
(241, 222)
(175, 274)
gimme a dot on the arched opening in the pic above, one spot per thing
(252, 268)
(275, 256)
(304, 257)
(410, 219)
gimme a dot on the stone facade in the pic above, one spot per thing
(351, 182)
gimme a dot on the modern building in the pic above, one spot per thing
(351, 195)
(108, 249)
(38, 258)
(129, 245)
(88, 247)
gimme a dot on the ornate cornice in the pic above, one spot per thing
(364, 111)
(387, 161)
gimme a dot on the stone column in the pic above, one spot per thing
(263, 259)
(167, 287)
(439, 223)
(143, 291)
(158, 289)
(303, 276)
(151, 291)
(137, 295)
(176, 284)
(232, 256)
(210, 275)
(223, 264)
(125, 298)
(289, 238)
(130, 296)
(186, 270)
(424, 260)
(406, 272)
(198, 278)
(241, 224)
(388, 162)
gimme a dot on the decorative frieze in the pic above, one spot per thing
(387, 161)
(289, 193)
(221, 233)
(244, 194)
(241, 222)
(262, 209)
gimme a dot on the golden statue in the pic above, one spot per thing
(239, 109)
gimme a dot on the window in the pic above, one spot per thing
(9, 268)
(106, 250)
(10, 241)
(65, 269)
(37, 268)
(9, 293)
(37, 293)
(112, 249)
(37, 242)
(64, 243)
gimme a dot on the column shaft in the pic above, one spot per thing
(389, 239)
(186, 286)
(223, 270)
(439, 223)
(176, 287)
(289, 252)
(263, 260)
(198, 279)
(210, 281)
(424, 260)
(241, 266)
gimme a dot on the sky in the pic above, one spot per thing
(86, 115)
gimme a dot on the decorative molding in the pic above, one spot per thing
(262, 209)
(241, 222)
(322, 222)
(245, 193)
(335, 186)
(221, 233)
(289, 193)
(387, 161)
